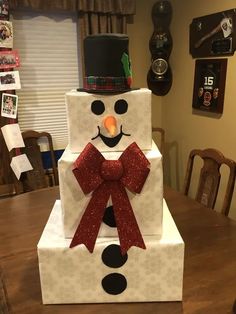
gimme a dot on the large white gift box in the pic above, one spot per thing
(147, 205)
(77, 276)
(84, 125)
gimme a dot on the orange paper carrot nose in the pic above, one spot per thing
(110, 124)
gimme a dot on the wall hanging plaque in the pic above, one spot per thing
(209, 85)
(213, 35)
(159, 77)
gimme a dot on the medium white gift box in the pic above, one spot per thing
(147, 205)
(77, 276)
(83, 124)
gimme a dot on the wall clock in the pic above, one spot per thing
(159, 77)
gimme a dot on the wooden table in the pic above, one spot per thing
(210, 258)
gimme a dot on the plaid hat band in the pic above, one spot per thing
(106, 83)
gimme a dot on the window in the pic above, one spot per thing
(48, 49)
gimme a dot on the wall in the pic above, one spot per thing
(184, 128)
(139, 33)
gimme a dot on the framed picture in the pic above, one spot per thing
(4, 9)
(6, 34)
(9, 59)
(209, 85)
(9, 105)
(9, 80)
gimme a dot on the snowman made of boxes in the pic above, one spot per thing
(110, 238)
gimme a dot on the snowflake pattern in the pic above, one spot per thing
(75, 275)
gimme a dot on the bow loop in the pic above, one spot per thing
(87, 168)
(135, 166)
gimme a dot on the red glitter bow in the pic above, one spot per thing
(107, 178)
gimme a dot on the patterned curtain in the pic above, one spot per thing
(105, 16)
(95, 16)
(44, 5)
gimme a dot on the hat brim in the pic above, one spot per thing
(105, 91)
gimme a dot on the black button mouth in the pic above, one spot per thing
(110, 141)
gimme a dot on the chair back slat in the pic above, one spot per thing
(36, 178)
(210, 177)
(162, 137)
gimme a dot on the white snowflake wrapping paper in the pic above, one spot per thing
(75, 275)
(147, 205)
(83, 123)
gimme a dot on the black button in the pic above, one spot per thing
(114, 283)
(111, 256)
(109, 218)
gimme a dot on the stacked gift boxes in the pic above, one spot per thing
(110, 238)
(74, 275)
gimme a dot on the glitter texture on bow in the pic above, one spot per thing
(105, 179)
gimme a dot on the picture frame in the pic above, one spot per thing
(6, 34)
(9, 80)
(9, 59)
(9, 105)
(209, 85)
(4, 9)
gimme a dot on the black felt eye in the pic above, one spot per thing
(97, 107)
(121, 106)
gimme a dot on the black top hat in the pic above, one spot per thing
(107, 64)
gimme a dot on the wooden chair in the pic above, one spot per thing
(234, 307)
(162, 138)
(4, 304)
(210, 176)
(37, 178)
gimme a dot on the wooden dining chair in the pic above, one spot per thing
(38, 177)
(161, 133)
(4, 303)
(210, 176)
(234, 307)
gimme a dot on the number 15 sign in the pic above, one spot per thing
(209, 85)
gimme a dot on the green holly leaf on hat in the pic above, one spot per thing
(127, 67)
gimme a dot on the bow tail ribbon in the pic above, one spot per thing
(127, 226)
(88, 228)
